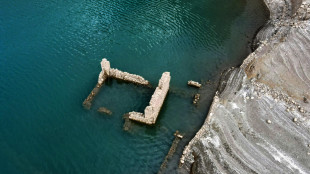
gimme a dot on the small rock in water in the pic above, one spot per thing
(196, 98)
(177, 134)
(193, 83)
(104, 110)
(268, 121)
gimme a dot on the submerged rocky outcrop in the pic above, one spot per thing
(259, 121)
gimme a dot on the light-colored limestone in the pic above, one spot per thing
(259, 136)
(194, 84)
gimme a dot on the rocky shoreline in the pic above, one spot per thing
(259, 121)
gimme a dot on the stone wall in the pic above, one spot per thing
(151, 112)
(108, 72)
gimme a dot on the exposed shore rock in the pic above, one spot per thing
(259, 121)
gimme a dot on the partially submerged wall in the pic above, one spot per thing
(125, 76)
(108, 72)
(151, 112)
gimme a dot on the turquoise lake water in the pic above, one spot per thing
(50, 53)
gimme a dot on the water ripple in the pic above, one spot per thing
(49, 61)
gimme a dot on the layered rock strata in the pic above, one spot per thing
(151, 112)
(259, 121)
(108, 72)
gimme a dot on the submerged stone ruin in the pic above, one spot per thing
(194, 84)
(108, 72)
(151, 112)
(104, 110)
(177, 138)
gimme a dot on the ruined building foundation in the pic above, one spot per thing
(108, 72)
(151, 112)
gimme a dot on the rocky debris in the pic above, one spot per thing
(235, 137)
(194, 84)
(283, 43)
(196, 99)
(303, 12)
(151, 112)
(268, 121)
(104, 110)
(178, 134)
(261, 89)
(108, 72)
